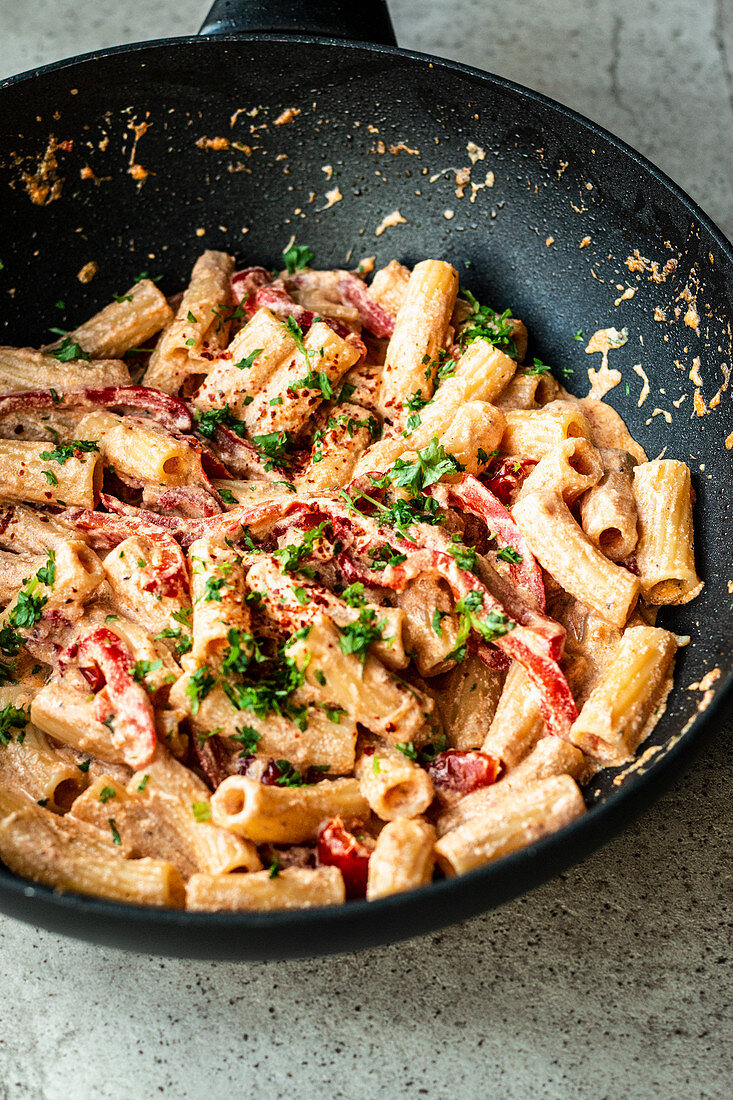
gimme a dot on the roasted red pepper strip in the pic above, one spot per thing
(505, 476)
(168, 410)
(373, 316)
(246, 283)
(105, 529)
(337, 847)
(470, 494)
(124, 704)
(166, 574)
(464, 770)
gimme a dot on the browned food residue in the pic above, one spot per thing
(287, 116)
(44, 185)
(137, 171)
(640, 263)
(214, 143)
(88, 272)
(604, 379)
(395, 218)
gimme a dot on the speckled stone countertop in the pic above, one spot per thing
(611, 981)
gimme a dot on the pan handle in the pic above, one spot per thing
(360, 20)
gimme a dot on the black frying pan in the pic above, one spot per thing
(556, 175)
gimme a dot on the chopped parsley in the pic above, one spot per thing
(538, 367)
(272, 689)
(201, 811)
(115, 834)
(208, 422)
(578, 335)
(493, 625)
(354, 595)
(70, 450)
(288, 776)
(465, 556)
(274, 446)
(119, 298)
(212, 590)
(274, 868)
(69, 349)
(84, 766)
(356, 637)
(199, 686)
(436, 621)
(182, 643)
(508, 553)
(407, 749)
(428, 466)
(242, 651)
(314, 380)
(12, 718)
(143, 783)
(50, 477)
(246, 363)
(248, 738)
(293, 554)
(483, 323)
(385, 556)
(106, 793)
(297, 257)
(227, 496)
(47, 573)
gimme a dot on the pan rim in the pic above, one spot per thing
(593, 829)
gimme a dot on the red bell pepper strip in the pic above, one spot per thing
(337, 847)
(123, 705)
(169, 411)
(471, 495)
(374, 317)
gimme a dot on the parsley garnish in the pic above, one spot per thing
(122, 297)
(436, 620)
(227, 496)
(201, 811)
(465, 556)
(12, 718)
(199, 686)
(274, 868)
(246, 363)
(50, 477)
(493, 625)
(212, 589)
(115, 834)
(386, 556)
(208, 422)
(508, 553)
(314, 380)
(183, 643)
(70, 450)
(485, 324)
(578, 335)
(248, 738)
(297, 257)
(407, 749)
(47, 573)
(272, 689)
(356, 637)
(538, 367)
(428, 466)
(143, 783)
(69, 349)
(293, 554)
(106, 793)
(354, 595)
(274, 446)
(242, 651)
(288, 777)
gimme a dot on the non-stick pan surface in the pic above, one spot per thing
(354, 149)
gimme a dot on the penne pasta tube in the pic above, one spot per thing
(393, 785)
(14, 571)
(25, 529)
(527, 391)
(32, 766)
(71, 855)
(532, 433)
(461, 430)
(31, 471)
(141, 312)
(467, 698)
(615, 718)
(402, 859)
(366, 691)
(293, 888)
(570, 557)
(284, 815)
(296, 387)
(13, 798)
(148, 581)
(201, 325)
(221, 617)
(532, 812)
(517, 723)
(67, 714)
(480, 374)
(327, 741)
(389, 286)
(608, 429)
(550, 756)
(336, 449)
(26, 369)
(430, 629)
(142, 449)
(419, 334)
(254, 356)
(71, 575)
(572, 468)
(608, 510)
(665, 553)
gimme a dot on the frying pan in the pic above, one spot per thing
(331, 134)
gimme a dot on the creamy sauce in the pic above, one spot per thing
(395, 218)
(332, 197)
(638, 369)
(604, 379)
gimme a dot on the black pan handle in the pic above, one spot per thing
(360, 20)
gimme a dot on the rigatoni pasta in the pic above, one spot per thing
(343, 593)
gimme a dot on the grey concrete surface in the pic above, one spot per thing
(612, 981)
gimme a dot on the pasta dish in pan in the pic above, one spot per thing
(315, 588)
